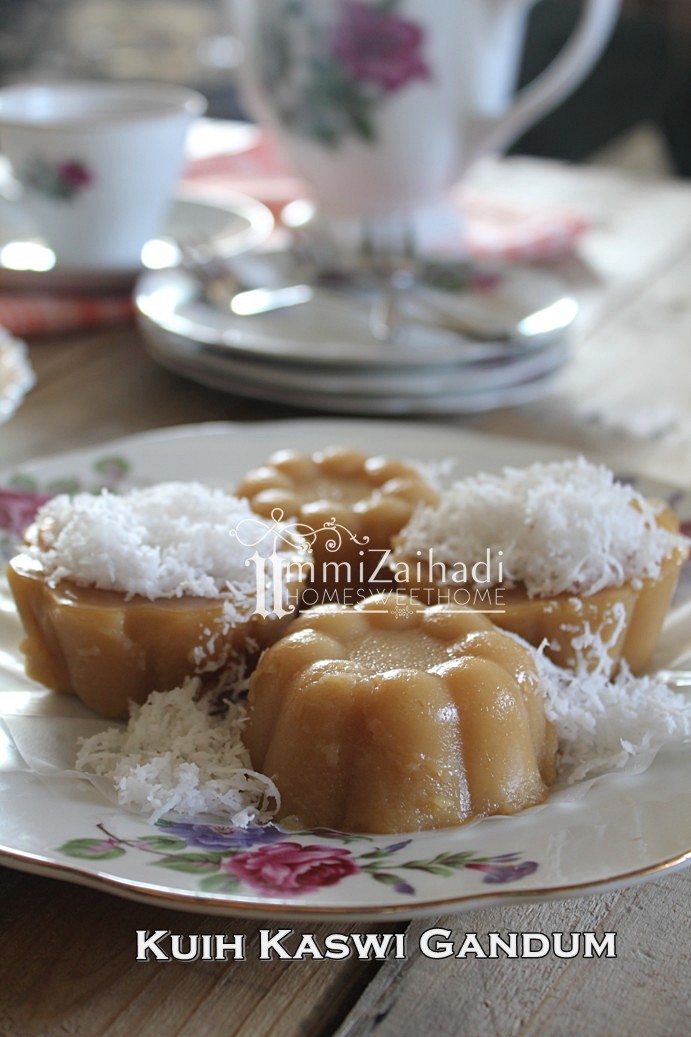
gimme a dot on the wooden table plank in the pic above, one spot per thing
(645, 990)
(93, 986)
(95, 387)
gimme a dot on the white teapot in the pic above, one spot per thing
(382, 104)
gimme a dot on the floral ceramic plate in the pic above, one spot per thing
(622, 829)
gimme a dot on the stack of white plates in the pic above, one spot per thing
(323, 353)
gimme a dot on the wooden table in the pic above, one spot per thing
(67, 954)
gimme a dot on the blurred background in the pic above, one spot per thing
(635, 107)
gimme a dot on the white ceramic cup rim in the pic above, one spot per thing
(95, 105)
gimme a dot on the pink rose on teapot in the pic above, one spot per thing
(381, 104)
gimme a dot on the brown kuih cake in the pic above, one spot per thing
(347, 504)
(392, 717)
(561, 554)
(124, 595)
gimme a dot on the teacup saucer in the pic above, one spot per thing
(333, 330)
(323, 354)
(28, 263)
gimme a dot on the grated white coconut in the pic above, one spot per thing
(164, 541)
(563, 526)
(178, 756)
(607, 724)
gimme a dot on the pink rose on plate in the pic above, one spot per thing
(379, 47)
(288, 867)
(18, 509)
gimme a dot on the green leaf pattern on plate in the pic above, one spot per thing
(271, 861)
(326, 82)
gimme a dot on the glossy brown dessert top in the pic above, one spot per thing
(375, 495)
(389, 716)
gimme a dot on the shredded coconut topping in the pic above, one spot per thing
(607, 724)
(165, 541)
(178, 755)
(564, 526)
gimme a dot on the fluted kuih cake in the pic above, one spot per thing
(391, 717)
(580, 562)
(348, 504)
(123, 595)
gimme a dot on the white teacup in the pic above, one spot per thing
(96, 163)
(382, 104)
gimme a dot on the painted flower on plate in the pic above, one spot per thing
(288, 867)
(223, 837)
(497, 871)
(18, 509)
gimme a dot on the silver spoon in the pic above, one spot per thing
(228, 290)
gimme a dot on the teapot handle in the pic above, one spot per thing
(557, 81)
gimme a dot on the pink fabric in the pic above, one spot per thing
(32, 314)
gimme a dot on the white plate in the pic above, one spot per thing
(16, 374)
(233, 226)
(437, 380)
(624, 829)
(324, 394)
(332, 330)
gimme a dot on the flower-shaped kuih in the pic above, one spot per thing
(124, 594)
(348, 506)
(389, 716)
